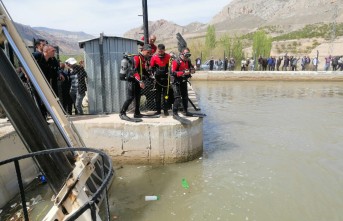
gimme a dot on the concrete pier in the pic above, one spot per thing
(153, 141)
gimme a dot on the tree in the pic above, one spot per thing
(210, 40)
(226, 43)
(262, 44)
(197, 47)
(237, 49)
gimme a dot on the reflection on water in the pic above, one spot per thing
(272, 151)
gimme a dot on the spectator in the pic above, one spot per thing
(334, 63)
(252, 64)
(64, 93)
(198, 63)
(78, 86)
(294, 63)
(243, 65)
(315, 63)
(39, 45)
(49, 66)
(327, 63)
(211, 64)
(220, 63)
(307, 62)
(232, 64)
(285, 63)
(270, 63)
(303, 62)
(340, 63)
(278, 63)
(260, 63)
(226, 61)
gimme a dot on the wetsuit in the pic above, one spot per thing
(160, 66)
(133, 87)
(179, 83)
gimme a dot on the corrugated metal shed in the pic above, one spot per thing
(106, 92)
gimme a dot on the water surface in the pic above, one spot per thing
(272, 151)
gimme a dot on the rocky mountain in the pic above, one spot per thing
(66, 40)
(246, 16)
(161, 28)
(290, 15)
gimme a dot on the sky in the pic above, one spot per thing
(113, 17)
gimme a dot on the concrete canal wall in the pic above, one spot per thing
(11, 146)
(268, 76)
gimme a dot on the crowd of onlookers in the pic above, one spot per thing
(67, 79)
(272, 63)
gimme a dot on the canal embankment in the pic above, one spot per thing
(268, 76)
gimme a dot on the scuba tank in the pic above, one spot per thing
(126, 67)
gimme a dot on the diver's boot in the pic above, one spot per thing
(158, 112)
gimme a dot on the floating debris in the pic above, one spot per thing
(185, 183)
(151, 198)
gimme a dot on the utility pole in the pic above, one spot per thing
(145, 21)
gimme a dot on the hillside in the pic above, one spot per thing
(288, 14)
(66, 40)
(287, 19)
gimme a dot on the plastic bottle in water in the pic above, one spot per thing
(185, 183)
(151, 198)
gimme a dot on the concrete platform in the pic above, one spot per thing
(153, 141)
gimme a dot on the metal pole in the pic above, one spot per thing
(102, 72)
(145, 21)
(22, 191)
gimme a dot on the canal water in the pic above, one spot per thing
(272, 152)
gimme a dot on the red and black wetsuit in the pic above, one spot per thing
(180, 83)
(160, 66)
(133, 87)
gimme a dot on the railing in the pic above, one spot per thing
(91, 204)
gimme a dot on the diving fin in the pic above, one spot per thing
(182, 120)
(146, 116)
(125, 117)
(191, 114)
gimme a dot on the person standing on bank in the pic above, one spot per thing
(211, 64)
(135, 84)
(78, 76)
(159, 63)
(49, 65)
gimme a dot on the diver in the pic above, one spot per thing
(182, 69)
(159, 64)
(135, 84)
